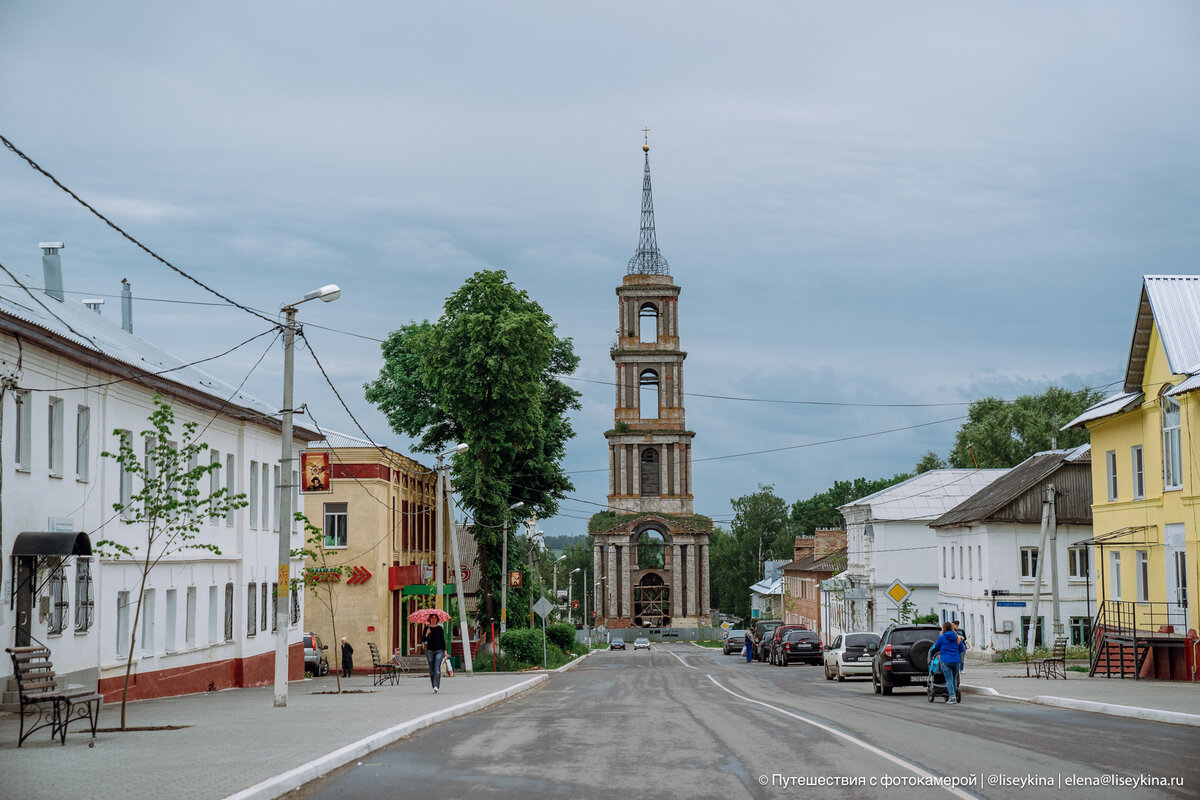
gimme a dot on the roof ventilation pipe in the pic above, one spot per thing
(52, 268)
(126, 306)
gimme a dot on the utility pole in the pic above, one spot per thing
(463, 633)
(1031, 632)
(529, 534)
(1053, 536)
(504, 569)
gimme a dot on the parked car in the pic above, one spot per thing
(735, 641)
(616, 643)
(847, 655)
(760, 633)
(799, 645)
(775, 641)
(315, 660)
(901, 657)
(641, 643)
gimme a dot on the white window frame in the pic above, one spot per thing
(83, 443)
(214, 614)
(266, 496)
(337, 518)
(85, 607)
(148, 642)
(1110, 474)
(230, 487)
(22, 452)
(122, 623)
(54, 436)
(230, 596)
(214, 483)
(1139, 472)
(1172, 444)
(59, 601)
(253, 498)
(1141, 562)
(276, 499)
(172, 620)
(251, 609)
(1114, 575)
(1029, 561)
(1077, 562)
(125, 477)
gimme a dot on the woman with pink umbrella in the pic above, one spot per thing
(435, 641)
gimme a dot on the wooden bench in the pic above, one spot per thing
(1055, 665)
(418, 664)
(381, 670)
(42, 700)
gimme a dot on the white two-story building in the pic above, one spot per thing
(888, 539)
(989, 547)
(70, 380)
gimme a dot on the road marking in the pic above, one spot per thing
(681, 661)
(905, 763)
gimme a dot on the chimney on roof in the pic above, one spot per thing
(93, 303)
(126, 306)
(52, 268)
(804, 547)
(829, 540)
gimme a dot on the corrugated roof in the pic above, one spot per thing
(1175, 302)
(1009, 486)
(79, 325)
(826, 563)
(928, 495)
(1114, 404)
(335, 439)
(767, 586)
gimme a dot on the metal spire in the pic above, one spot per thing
(647, 260)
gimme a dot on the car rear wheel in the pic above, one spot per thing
(884, 686)
(841, 678)
(828, 674)
(874, 683)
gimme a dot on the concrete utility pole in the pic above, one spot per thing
(1031, 632)
(1053, 536)
(468, 664)
(504, 569)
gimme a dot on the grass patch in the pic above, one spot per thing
(1077, 668)
(1017, 654)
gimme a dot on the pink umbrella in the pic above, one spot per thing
(428, 616)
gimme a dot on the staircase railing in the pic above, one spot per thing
(1129, 628)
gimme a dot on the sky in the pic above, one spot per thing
(907, 205)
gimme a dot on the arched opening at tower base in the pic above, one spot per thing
(651, 602)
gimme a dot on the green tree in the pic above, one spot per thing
(929, 462)
(761, 530)
(168, 510)
(821, 510)
(319, 577)
(1002, 434)
(486, 373)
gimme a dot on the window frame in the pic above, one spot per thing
(54, 436)
(251, 609)
(83, 443)
(60, 601)
(1029, 558)
(1110, 474)
(1172, 444)
(230, 595)
(1141, 566)
(1114, 575)
(330, 511)
(1138, 468)
(1078, 568)
(85, 605)
(23, 430)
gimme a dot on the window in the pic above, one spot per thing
(274, 600)
(970, 564)
(648, 395)
(1172, 447)
(295, 607)
(1139, 474)
(952, 561)
(84, 606)
(83, 439)
(172, 620)
(275, 499)
(148, 463)
(125, 479)
(252, 609)
(214, 614)
(1077, 563)
(1142, 565)
(54, 432)
(336, 525)
(650, 473)
(1081, 630)
(1114, 575)
(648, 323)
(961, 574)
(1110, 473)
(979, 553)
(1029, 561)
(253, 499)
(229, 612)
(58, 601)
(214, 481)
(229, 489)
(148, 622)
(189, 619)
(22, 457)
(122, 623)
(943, 562)
(265, 605)
(266, 494)
(1037, 639)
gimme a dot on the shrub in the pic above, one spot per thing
(561, 635)
(523, 644)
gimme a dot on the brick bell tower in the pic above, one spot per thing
(652, 558)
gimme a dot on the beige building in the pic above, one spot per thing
(379, 519)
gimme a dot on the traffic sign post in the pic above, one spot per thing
(543, 607)
(898, 592)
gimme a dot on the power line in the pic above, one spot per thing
(121, 231)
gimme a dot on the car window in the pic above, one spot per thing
(803, 636)
(861, 639)
(836, 643)
(910, 636)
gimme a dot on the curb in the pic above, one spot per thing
(1112, 709)
(576, 662)
(295, 778)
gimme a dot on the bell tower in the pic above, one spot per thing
(653, 560)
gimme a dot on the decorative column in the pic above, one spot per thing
(693, 596)
(627, 578)
(610, 588)
(678, 490)
(704, 600)
(597, 572)
(676, 584)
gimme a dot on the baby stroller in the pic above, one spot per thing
(936, 685)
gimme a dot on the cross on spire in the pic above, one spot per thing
(647, 260)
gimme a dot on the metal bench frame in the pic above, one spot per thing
(1054, 666)
(381, 670)
(42, 700)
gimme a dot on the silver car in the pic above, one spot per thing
(847, 655)
(641, 643)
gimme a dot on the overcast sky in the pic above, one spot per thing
(864, 202)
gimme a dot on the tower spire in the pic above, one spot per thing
(647, 260)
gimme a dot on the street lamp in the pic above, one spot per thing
(441, 522)
(504, 568)
(570, 589)
(532, 534)
(557, 561)
(326, 294)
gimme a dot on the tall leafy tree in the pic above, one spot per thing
(1002, 434)
(486, 374)
(821, 510)
(761, 530)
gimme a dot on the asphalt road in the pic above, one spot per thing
(682, 721)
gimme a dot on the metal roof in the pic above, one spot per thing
(335, 439)
(1175, 303)
(767, 586)
(1114, 404)
(1009, 486)
(928, 495)
(71, 321)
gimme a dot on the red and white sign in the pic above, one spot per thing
(358, 575)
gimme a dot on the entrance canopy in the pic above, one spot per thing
(52, 543)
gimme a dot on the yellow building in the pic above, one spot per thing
(379, 518)
(1146, 480)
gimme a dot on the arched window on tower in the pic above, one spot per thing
(648, 395)
(648, 323)
(650, 472)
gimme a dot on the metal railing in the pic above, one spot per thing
(1130, 629)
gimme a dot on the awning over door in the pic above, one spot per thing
(52, 543)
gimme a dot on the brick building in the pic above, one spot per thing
(817, 558)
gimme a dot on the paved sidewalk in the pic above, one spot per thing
(1162, 701)
(237, 740)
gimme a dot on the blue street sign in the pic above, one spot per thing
(1012, 603)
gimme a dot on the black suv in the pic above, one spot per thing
(902, 656)
(800, 645)
(774, 643)
(761, 636)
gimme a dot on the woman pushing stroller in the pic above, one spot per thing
(949, 648)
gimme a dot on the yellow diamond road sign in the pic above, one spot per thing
(898, 591)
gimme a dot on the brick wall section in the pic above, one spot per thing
(829, 540)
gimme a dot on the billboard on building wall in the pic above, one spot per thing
(315, 469)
